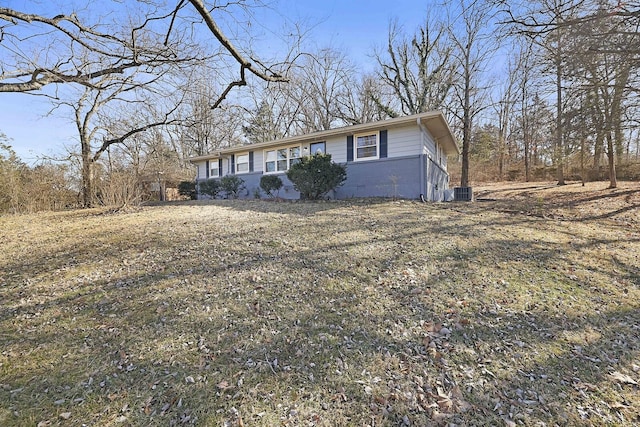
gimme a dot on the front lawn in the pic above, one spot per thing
(523, 309)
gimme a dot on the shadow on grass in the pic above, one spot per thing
(286, 206)
(336, 330)
(531, 202)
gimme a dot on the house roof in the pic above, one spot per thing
(434, 121)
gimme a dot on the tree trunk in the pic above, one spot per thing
(87, 176)
(501, 145)
(527, 166)
(559, 146)
(525, 135)
(582, 144)
(466, 127)
(616, 120)
(613, 181)
(597, 149)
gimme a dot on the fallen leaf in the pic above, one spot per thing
(618, 405)
(65, 415)
(445, 404)
(380, 400)
(439, 416)
(618, 376)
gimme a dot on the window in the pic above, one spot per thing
(366, 146)
(214, 168)
(318, 147)
(294, 155)
(270, 161)
(281, 159)
(242, 163)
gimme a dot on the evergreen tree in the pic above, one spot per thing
(262, 125)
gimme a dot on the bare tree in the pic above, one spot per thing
(202, 128)
(544, 23)
(273, 112)
(513, 106)
(360, 102)
(504, 107)
(419, 71)
(602, 72)
(469, 33)
(591, 50)
(320, 81)
(118, 51)
(114, 62)
(26, 188)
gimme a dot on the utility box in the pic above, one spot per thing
(462, 194)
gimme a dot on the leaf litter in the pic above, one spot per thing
(518, 311)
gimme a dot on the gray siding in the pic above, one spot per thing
(433, 150)
(403, 141)
(443, 160)
(390, 177)
(252, 183)
(337, 147)
(437, 180)
(412, 152)
(429, 145)
(258, 160)
(202, 170)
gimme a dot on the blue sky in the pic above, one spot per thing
(354, 27)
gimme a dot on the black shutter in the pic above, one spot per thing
(219, 167)
(207, 169)
(383, 144)
(349, 148)
(233, 163)
(250, 161)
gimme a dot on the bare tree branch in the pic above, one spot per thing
(223, 96)
(226, 43)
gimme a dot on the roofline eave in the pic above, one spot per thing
(427, 117)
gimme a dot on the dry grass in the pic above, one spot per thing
(523, 310)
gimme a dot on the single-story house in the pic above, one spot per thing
(404, 157)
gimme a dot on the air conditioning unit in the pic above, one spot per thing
(462, 194)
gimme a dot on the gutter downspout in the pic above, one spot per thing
(423, 184)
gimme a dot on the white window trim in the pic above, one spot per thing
(237, 157)
(215, 162)
(355, 146)
(288, 148)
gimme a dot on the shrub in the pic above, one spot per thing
(210, 187)
(231, 185)
(271, 183)
(314, 176)
(187, 189)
